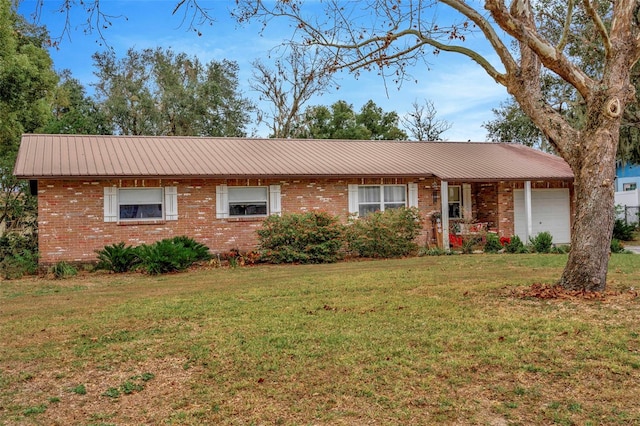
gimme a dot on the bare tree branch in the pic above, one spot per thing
(566, 28)
(297, 77)
(422, 124)
(548, 54)
(602, 30)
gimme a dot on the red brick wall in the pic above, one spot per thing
(72, 227)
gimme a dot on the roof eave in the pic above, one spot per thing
(298, 176)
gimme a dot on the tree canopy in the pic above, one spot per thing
(511, 124)
(27, 79)
(340, 121)
(27, 82)
(73, 112)
(159, 92)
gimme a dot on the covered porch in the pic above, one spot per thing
(469, 210)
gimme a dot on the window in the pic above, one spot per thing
(629, 186)
(248, 201)
(372, 198)
(140, 204)
(455, 202)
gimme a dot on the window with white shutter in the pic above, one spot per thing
(140, 204)
(247, 201)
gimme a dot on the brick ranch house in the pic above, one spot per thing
(95, 191)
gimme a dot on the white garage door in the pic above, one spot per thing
(550, 211)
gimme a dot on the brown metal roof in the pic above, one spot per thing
(82, 156)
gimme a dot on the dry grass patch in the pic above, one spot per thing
(453, 340)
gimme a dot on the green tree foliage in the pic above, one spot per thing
(27, 81)
(159, 92)
(382, 125)
(26, 78)
(340, 121)
(511, 124)
(74, 112)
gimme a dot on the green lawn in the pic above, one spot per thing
(403, 342)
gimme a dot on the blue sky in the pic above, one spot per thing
(461, 91)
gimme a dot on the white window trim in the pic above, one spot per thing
(467, 212)
(459, 201)
(464, 201)
(274, 204)
(411, 196)
(112, 205)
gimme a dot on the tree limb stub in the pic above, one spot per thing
(613, 108)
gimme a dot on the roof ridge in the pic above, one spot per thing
(167, 137)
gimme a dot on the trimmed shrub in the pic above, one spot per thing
(171, 255)
(542, 242)
(313, 237)
(493, 243)
(391, 233)
(117, 258)
(515, 245)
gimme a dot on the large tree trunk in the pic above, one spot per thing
(586, 269)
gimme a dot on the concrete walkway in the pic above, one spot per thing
(635, 249)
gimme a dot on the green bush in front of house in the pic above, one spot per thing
(168, 255)
(515, 245)
(62, 270)
(618, 247)
(117, 258)
(387, 234)
(542, 242)
(312, 237)
(18, 255)
(171, 255)
(492, 244)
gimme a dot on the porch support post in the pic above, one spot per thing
(444, 208)
(527, 211)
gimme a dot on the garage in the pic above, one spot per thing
(550, 211)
